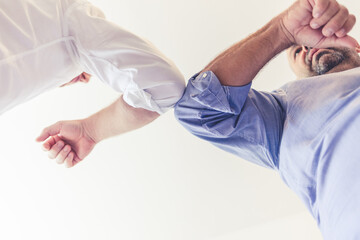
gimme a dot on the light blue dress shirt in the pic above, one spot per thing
(308, 131)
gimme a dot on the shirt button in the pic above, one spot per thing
(204, 75)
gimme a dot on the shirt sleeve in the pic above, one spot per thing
(126, 62)
(238, 120)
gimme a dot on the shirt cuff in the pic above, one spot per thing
(210, 93)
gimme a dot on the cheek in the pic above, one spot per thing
(301, 62)
(293, 66)
(300, 69)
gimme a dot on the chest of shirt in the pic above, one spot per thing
(316, 110)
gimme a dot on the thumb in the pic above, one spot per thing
(49, 131)
(346, 41)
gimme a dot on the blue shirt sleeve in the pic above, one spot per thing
(239, 120)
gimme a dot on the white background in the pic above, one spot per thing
(159, 182)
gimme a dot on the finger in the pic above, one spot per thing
(336, 23)
(63, 154)
(55, 149)
(69, 160)
(49, 131)
(320, 7)
(330, 12)
(76, 160)
(50, 142)
(346, 28)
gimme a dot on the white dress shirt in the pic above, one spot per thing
(46, 43)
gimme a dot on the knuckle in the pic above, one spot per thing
(45, 130)
(335, 4)
(334, 26)
(344, 11)
(321, 3)
(59, 144)
(67, 149)
(58, 124)
(350, 23)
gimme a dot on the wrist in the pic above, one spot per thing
(284, 35)
(89, 129)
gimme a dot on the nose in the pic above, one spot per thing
(305, 48)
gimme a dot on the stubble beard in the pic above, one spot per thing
(327, 60)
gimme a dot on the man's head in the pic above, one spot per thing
(308, 62)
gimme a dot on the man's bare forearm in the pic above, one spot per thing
(239, 65)
(116, 119)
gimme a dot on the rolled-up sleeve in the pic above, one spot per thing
(126, 62)
(238, 120)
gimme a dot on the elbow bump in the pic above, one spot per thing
(170, 95)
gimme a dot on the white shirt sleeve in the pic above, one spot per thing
(128, 63)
